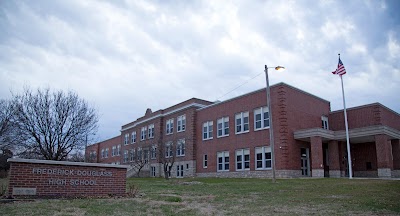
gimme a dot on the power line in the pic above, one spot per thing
(239, 85)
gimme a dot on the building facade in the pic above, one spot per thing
(231, 138)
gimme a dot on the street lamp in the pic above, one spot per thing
(271, 132)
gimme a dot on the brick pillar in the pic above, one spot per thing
(384, 156)
(396, 158)
(317, 167)
(334, 159)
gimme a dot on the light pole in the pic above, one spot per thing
(271, 132)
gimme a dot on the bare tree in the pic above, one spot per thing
(137, 159)
(53, 123)
(8, 135)
(167, 154)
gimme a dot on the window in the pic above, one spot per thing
(139, 154)
(153, 171)
(242, 122)
(207, 130)
(133, 137)
(118, 150)
(263, 158)
(180, 147)
(223, 127)
(181, 123)
(151, 131)
(325, 124)
(106, 153)
(126, 139)
(153, 152)
(125, 156)
(146, 155)
(179, 171)
(168, 150)
(170, 126)
(205, 161)
(132, 155)
(261, 118)
(103, 155)
(243, 159)
(143, 133)
(114, 151)
(223, 161)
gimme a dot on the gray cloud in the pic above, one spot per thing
(126, 56)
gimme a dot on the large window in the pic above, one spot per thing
(151, 131)
(243, 159)
(126, 139)
(223, 127)
(261, 118)
(168, 150)
(207, 130)
(181, 123)
(125, 156)
(114, 151)
(180, 147)
(102, 154)
(325, 124)
(153, 171)
(170, 126)
(106, 153)
(133, 137)
(132, 155)
(263, 158)
(223, 161)
(153, 152)
(118, 150)
(242, 122)
(205, 161)
(143, 133)
(179, 171)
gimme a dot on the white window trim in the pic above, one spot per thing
(133, 138)
(243, 159)
(179, 145)
(126, 139)
(153, 149)
(205, 160)
(181, 120)
(170, 123)
(143, 132)
(208, 123)
(223, 162)
(242, 122)
(262, 119)
(223, 127)
(264, 150)
(150, 131)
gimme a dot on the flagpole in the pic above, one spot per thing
(347, 133)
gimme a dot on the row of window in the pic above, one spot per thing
(261, 121)
(242, 159)
(147, 132)
(144, 154)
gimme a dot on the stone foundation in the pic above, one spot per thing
(253, 174)
(334, 173)
(317, 173)
(384, 173)
(367, 174)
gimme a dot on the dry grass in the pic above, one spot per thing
(209, 196)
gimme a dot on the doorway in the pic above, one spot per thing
(305, 161)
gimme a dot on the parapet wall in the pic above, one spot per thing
(42, 178)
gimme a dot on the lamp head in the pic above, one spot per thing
(279, 68)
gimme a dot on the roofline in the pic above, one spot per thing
(162, 115)
(366, 105)
(262, 89)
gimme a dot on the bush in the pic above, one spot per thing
(132, 190)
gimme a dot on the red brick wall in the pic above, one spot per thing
(364, 116)
(292, 110)
(363, 153)
(27, 175)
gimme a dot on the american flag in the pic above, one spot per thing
(340, 68)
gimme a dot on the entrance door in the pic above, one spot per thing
(326, 159)
(179, 171)
(305, 165)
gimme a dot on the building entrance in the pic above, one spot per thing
(305, 161)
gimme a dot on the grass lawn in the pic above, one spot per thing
(214, 196)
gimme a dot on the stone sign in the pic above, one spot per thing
(64, 179)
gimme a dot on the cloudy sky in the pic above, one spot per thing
(126, 56)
